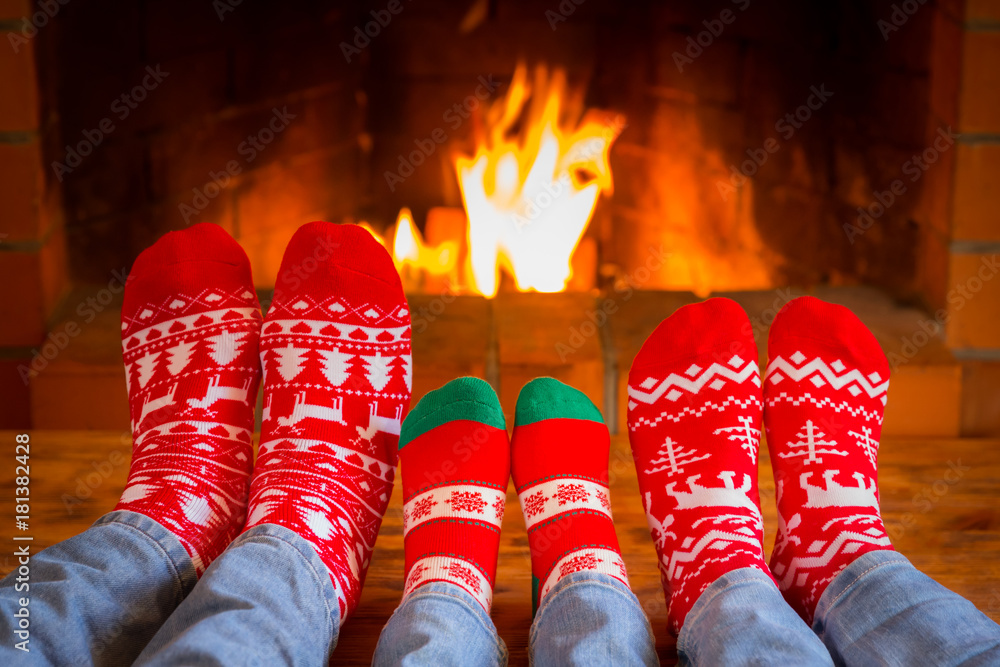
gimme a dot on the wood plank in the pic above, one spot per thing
(940, 500)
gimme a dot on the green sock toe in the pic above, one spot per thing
(465, 398)
(548, 398)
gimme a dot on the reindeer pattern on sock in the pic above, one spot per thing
(829, 411)
(699, 480)
(191, 378)
(344, 372)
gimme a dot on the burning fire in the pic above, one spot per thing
(410, 253)
(529, 191)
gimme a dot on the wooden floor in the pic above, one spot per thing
(940, 500)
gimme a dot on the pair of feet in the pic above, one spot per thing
(695, 409)
(456, 461)
(334, 352)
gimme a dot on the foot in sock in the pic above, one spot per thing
(694, 414)
(824, 394)
(455, 458)
(190, 328)
(559, 462)
(335, 349)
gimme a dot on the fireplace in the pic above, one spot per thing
(746, 147)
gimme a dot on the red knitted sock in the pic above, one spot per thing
(694, 415)
(336, 355)
(190, 327)
(824, 394)
(456, 463)
(559, 461)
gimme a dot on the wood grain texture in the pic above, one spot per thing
(940, 500)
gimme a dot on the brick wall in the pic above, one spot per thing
(969, 219)
(354, 120)
(247, 118)
(786, 223)
(32, 246)
(254, 119)
(975, 222)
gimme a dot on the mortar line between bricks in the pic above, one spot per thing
(492, 370)
(982, 25)
(18, 138)
(978, 138)
(22, 246)
(976, 354)
(610, 359)
(970, 247)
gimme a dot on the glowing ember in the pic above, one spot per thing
(531, 188)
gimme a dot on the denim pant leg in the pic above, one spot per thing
(267, 600)
(590, 618)
(439, 624)
(96, 598)
(741, 619)
(883, 610)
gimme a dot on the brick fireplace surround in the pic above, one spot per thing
(170, 93)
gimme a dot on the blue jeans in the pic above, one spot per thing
(587, 619)
(125, 590)
(879, 610)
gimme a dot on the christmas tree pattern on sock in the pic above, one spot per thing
(455, 457)
(824, 394)
(694, 415)
(335, 349)
(190, 328)
(559, 461)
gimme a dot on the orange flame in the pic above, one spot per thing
(530, 194)
(409, 250)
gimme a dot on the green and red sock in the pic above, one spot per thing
(455, 459)
(559, 461)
